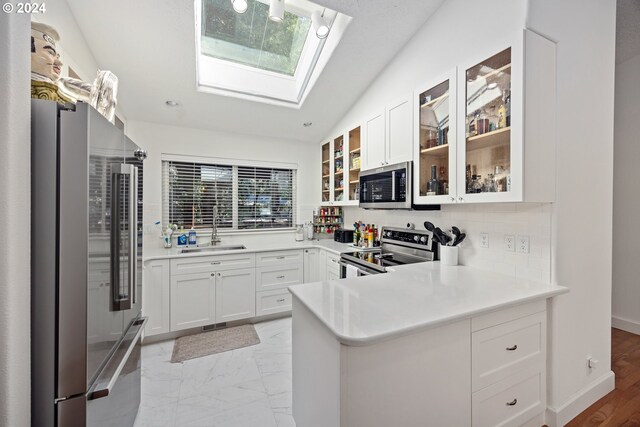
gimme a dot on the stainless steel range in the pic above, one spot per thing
(398, 246)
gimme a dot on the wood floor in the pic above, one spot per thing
(621, 407)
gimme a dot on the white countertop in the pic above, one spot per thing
(364, 310)
(262, 246)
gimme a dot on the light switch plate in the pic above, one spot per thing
(484, 240)
(522, 244)
(509, 242)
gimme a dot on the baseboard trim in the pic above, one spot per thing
(626, 325)
(560, 416)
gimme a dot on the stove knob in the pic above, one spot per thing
(416, 238)
(423, 239)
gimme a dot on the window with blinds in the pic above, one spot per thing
(248, 198)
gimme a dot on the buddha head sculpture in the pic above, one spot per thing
(45, 58)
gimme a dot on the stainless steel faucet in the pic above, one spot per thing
(215, 239)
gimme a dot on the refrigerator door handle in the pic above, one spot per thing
(122, 300)
(133, 230)
(104, 386)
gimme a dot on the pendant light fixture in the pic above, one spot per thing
(319, 25)
(276, 10)
(239, 6)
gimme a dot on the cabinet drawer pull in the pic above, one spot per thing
(514, 348)
(215, 262)
(280, 257)
(512, 403)
(279, 277)
(280, 300)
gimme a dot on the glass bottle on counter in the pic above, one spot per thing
(432, 185)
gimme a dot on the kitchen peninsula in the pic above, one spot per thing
(422, 345)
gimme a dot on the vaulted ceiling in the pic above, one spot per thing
(150, 46)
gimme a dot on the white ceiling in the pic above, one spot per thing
(627, 30)
(150, 46)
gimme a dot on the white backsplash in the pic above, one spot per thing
(498, 220)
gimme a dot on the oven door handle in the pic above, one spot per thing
(360, 271)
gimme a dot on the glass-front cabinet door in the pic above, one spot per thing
(488, 144)
(326, 172)
(435, 148)
(353, 165)
(338, 169)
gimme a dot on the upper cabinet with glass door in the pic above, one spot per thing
(507, 122)
(338, 169)
(487, 125)
(353, 165)
(326, 172)
(435, 150)
(492, 139)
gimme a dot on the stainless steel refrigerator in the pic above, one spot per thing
(86, 269)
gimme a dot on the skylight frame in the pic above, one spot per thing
(228, 78)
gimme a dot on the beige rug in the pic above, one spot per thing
(206, 343)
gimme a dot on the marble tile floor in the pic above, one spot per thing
(247, 387)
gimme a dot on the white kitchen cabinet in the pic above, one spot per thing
(388, 135)
(332, 266)
(488, 154)
(155, 300)
(276, 258)
(271, 302)
(278, 277)
(374, 150)
(323, 264)
(193, 300)
(235, 295)
(311, 265)
(399, 129)
(434, 165)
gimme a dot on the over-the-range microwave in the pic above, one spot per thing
(387, 187)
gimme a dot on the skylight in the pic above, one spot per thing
(249, 56)
(251, 38)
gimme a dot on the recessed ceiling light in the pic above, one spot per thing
(171, 103)
(307, 124)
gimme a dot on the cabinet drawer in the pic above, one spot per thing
(269, 302)
(505, 349)
(206, 264)
(269, 278)
(511, 402)
(333, 263)
(267, 259)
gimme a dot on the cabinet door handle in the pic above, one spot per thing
(453, 199)
(460, 199)
(279, 277)
(215, 262)
(213, 274)
(219, 274)
(514, 348)
(280, 300)
(513, 402)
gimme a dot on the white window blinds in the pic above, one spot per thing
(246, 197)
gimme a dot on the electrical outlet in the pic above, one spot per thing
(522, 244)
(484, 240)
(509, 243)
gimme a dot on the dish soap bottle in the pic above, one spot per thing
(182, 238)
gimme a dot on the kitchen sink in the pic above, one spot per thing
(212, 249)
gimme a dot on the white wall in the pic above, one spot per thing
(581, 220)
(582, 217)
(159, 139)
(15, 205)
(626, 207)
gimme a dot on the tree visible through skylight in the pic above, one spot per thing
(251, 38)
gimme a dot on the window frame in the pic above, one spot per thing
(235, 164)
